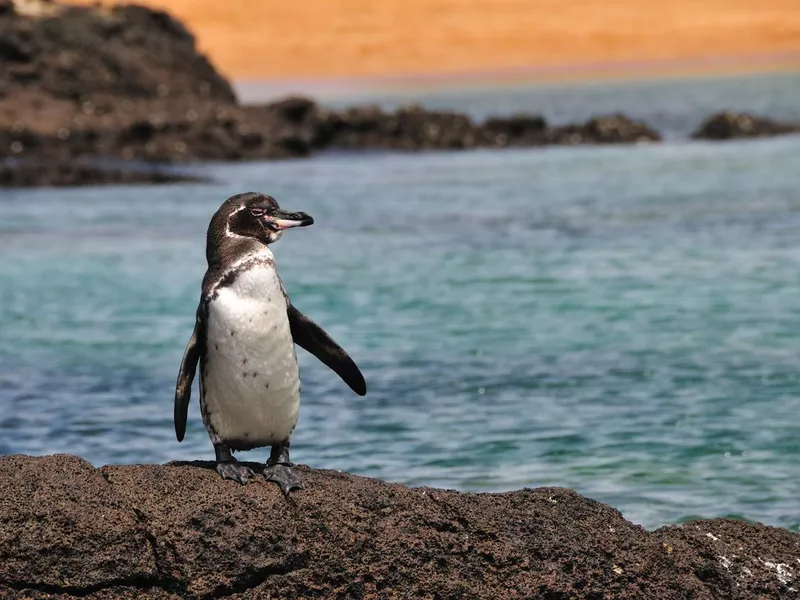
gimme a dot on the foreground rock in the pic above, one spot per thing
(69, 530)
(77, 173)
(729, 124)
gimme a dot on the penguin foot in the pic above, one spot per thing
(235, 471)
(283, 475)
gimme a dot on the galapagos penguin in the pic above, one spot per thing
(244, 339)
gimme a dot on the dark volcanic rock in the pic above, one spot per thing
(175, 531)
(75, 173)
(154, 133)
(92, 55)
(730, 124)
(63, 527)
(532, 130)
(415, 128)
(408, 128)
(517, 130)
(295, 125)
(613, 129)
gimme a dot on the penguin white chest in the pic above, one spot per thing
(250, 379)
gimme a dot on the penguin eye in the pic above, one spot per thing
(256, 212)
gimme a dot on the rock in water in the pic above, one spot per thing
(729, 124)
(179, 531)
(518, 130)
(612, 129)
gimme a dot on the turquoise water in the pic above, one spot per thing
(623, 321)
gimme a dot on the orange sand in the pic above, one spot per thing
(313, 38)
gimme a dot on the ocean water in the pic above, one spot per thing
(623, 321)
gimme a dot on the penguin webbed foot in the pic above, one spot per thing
(230, 468)
(235, 471)
(283, 475)
(279, 469)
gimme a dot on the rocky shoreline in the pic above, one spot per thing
(69, 530)
(127, 83)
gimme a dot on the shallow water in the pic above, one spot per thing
(621, 320)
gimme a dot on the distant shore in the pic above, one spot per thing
(69, 106)
(582, 39)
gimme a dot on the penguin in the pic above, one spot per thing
(244, 339)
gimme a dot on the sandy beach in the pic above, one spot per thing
(360, 38)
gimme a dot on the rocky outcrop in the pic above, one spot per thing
(416, 128)
(729, 124)
(532, 130)
(408, 128)
(95, 57)
(178, 531)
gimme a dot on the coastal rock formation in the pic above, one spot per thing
(729, 124)
(612, 129)
(127, 83)
(178, 531)
(518, 130)
(408, 128)
(532, 130)
(95, 57)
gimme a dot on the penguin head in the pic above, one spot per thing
(257, 216)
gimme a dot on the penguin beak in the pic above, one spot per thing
(280, 220)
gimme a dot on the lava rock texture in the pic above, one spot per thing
(179, 531)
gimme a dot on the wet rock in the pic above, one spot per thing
(179, 531)
(18, 174)
(730, 124)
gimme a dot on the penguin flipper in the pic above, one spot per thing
(183, 387)
(310, 336)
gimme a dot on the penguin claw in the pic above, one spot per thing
(234, 471)
(284, 476)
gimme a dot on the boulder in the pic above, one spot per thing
(179, 531)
